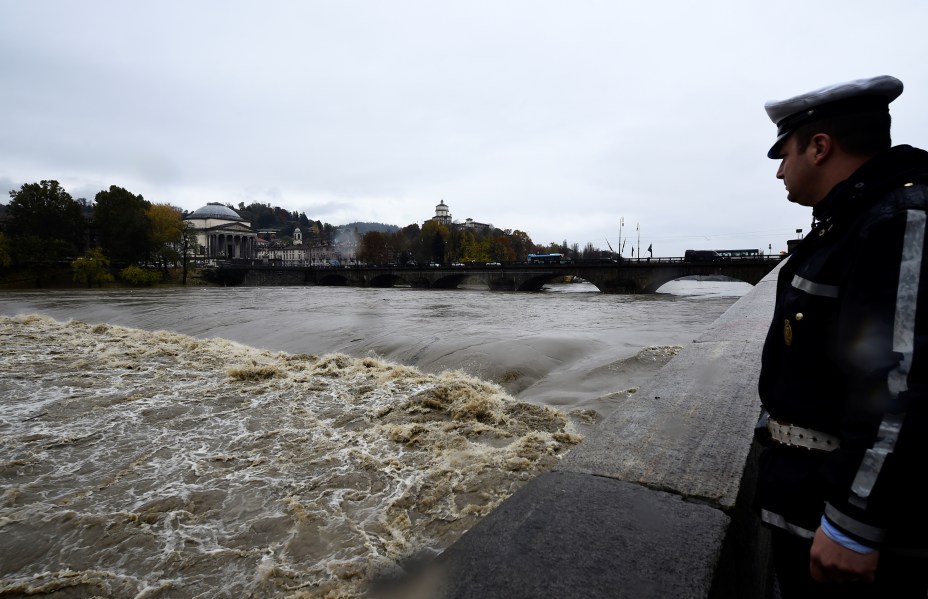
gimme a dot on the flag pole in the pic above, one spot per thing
(621, 224)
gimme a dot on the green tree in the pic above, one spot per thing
(474, 249)
(92, 267)
(6, 252)
(433, 242)
(122, 226)
(589, 251)
(438, 248)
(327, 233)
(551, 248)
(264, 217)
(405, 242)
(138, 277)
(45, 223)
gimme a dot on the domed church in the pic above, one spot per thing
(442, 213)
(221, 233)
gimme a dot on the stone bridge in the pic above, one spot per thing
(626, 276)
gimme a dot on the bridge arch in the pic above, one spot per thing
(645, 277)
(449, 281)
(537, 282)
(656, 284)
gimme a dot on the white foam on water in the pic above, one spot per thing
(153, 464)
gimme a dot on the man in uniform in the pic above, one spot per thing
(844, 373)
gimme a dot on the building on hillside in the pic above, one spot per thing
(474, 225)
(221, 233)
(442, 214)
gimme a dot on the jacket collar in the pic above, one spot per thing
(873, 177)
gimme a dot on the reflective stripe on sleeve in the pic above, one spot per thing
(874, 458)
(864, 531)
(903, 343)
(780, 522)
(907, 298)
(813, 288)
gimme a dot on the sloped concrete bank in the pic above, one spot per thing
(655, 503)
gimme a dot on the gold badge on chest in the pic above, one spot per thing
(787, 332)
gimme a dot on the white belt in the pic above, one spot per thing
(797, 436)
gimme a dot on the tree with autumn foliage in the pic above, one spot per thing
(375, 248)
(167, 230)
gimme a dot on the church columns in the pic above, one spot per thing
(227, 246)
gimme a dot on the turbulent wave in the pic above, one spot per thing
(153, 464)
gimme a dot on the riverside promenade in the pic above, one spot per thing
(654, 503)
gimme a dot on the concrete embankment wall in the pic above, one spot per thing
(654, 503)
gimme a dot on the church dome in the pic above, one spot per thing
(215, 210)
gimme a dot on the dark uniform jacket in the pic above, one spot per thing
(847, 355)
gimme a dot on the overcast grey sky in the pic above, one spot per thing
(556, 118)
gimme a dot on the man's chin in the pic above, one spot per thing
(796, 200)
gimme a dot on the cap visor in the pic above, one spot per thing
(774, 151)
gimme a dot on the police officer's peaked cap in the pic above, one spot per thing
(858, 96)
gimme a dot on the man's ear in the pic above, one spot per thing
(821, 146)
